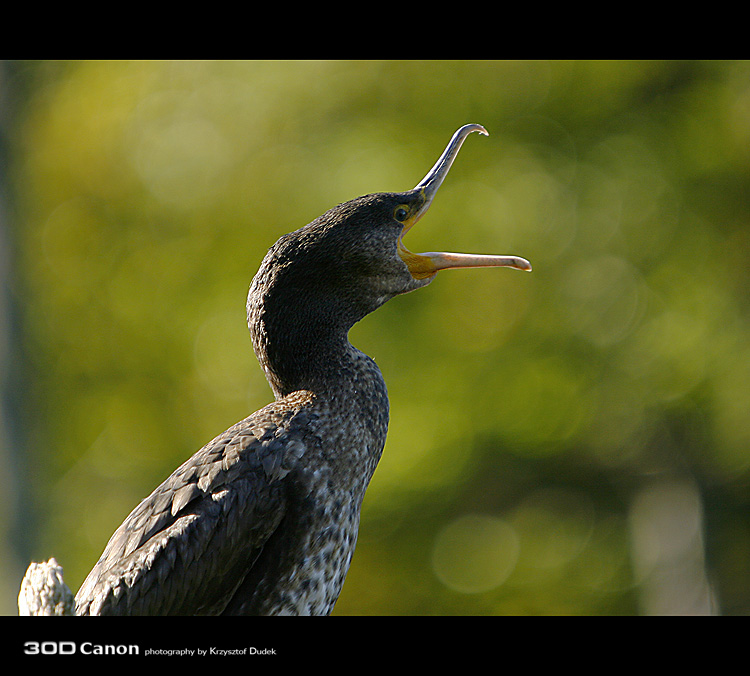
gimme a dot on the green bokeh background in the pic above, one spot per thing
(571, 441)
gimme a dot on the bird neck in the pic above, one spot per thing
(302, 344)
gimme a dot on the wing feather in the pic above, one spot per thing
(187, 547)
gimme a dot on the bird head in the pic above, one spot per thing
(355, 251)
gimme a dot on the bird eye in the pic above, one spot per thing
(401, 213)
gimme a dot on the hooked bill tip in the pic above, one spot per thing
(523, 264)
(468, 128)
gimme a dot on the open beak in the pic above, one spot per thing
(426, 265)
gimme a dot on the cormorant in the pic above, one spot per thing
(263, 519)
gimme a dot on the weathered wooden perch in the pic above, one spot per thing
(43, 591)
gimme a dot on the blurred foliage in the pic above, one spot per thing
(571, 441)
